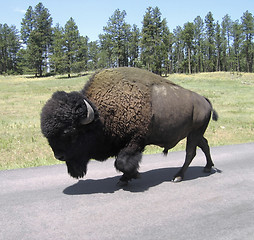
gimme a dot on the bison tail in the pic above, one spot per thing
(215, 115)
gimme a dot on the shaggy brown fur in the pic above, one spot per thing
(123, 98)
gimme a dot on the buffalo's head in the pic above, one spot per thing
(67, 121)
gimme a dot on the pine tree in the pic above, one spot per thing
(237, 42)
(218, 46)
(170, 53)
(36, 33)
(188, 37)
(106, 56)
(148, 39)
(134, 46)
(9, 47)
(157, 64)
(210, 33)
(154, 42)
(69, 49)
(226, 32)
(116, 38)
(166, 47)
(82, 54)
(27, 24)
(248, 30)
(71, 38)
(58, 60)
(199, 44)
(93, 55)
(178, 52)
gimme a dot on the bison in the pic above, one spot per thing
(119, 112)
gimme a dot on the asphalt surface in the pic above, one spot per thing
(45, 203)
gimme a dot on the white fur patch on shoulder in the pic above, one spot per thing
(160, 90)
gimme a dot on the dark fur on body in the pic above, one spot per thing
(133, 108)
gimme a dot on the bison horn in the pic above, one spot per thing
(90, 114)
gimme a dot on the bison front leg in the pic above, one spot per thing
(127, 162)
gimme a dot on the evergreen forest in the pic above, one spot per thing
(204, 45)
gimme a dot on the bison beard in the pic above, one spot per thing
(76, 169)
(118, 113)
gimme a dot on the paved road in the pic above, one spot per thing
(45, 203)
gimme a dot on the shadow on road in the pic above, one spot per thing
(148, 179)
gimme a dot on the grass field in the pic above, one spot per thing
(22, 97)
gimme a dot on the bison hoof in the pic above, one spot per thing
(122, 183)
(136, 176)
(207, 169)
(177, 179)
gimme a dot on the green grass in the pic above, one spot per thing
(21, 100)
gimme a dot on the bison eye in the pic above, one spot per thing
(69, 135)
(68, 132)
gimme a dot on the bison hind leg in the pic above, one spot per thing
(194, 140)
(191, 147)
(203, 144)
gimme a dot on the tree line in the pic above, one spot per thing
(204, 45)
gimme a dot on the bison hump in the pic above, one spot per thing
(123, 100)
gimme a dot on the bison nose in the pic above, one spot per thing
(60, 157)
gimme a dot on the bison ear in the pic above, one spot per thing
(89, 116)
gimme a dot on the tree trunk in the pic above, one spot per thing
(189, 60)
(218, 62)
(40, 71)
